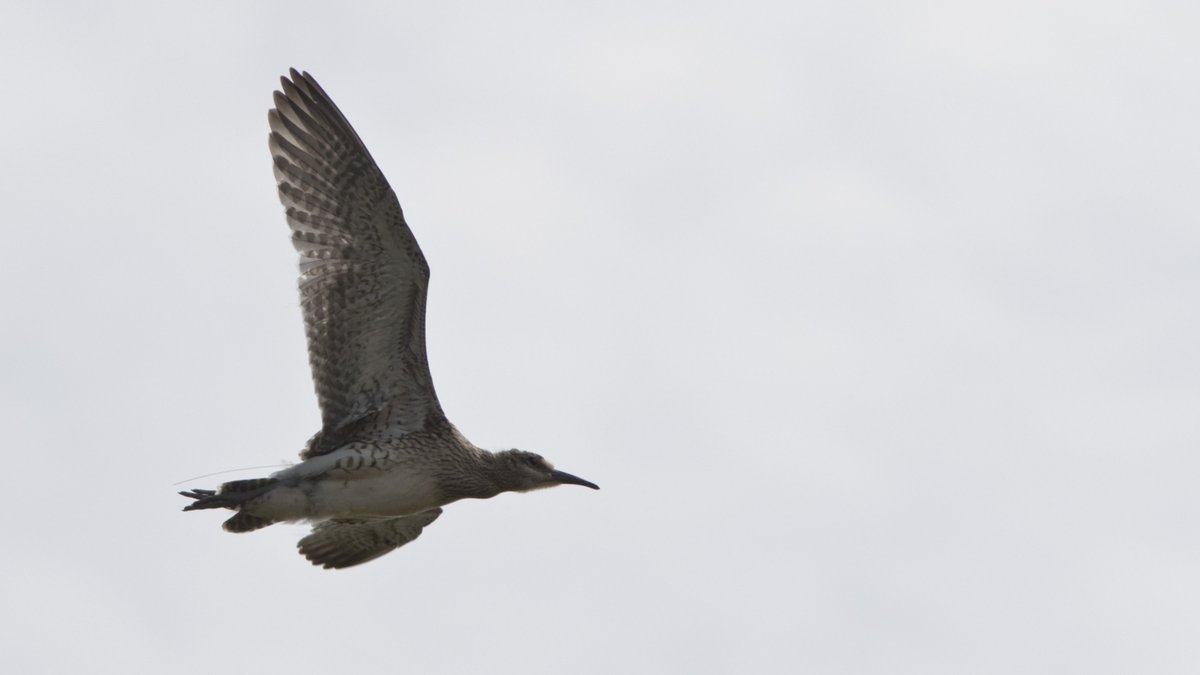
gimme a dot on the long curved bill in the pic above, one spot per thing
(567, 479)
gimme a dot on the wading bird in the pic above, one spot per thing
(386, 458)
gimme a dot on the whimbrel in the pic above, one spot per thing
(386, 458)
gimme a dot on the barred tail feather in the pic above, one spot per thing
(233, 495)
(247, 485)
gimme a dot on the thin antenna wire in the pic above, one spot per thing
(218, 473)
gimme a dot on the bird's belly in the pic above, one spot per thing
(389, 494)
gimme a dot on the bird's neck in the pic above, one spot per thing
(476, 477)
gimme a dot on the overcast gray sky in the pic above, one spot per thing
(876, 322)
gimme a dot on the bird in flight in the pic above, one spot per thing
(386, 458)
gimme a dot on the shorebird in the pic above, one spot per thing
(386, 458)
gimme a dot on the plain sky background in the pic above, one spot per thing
(877, 323)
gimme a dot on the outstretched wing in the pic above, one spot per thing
(335, 544)
(363, 278)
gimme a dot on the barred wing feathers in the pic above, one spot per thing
(363, 278)
(335, 544)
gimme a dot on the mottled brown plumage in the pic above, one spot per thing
(386, 458)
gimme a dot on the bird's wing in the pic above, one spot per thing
(335, 544)
(363, 278)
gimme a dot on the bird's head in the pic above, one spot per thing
(523, 471)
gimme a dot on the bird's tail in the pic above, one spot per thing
(233, 495)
